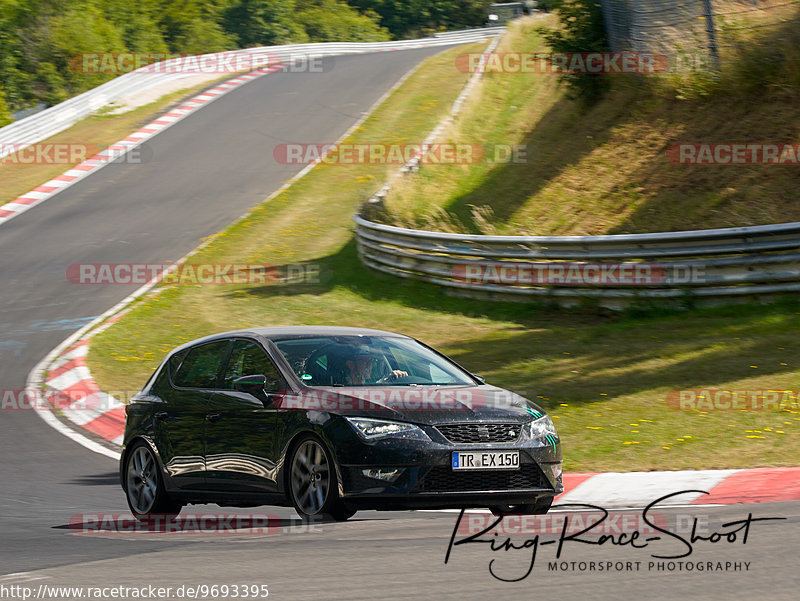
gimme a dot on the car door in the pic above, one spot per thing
(180, 425)
(240, 429)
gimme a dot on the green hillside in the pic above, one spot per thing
(603, 166)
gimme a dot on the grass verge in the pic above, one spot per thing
(603, 377)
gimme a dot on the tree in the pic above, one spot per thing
(263, 22)
(63, 38)
(583, 31)
(138, 23)
(14, 77)
(334, 21)
(195, 26)
(412, 18)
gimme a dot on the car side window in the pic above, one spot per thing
(175, 362)
(248, 359)
(201, 366)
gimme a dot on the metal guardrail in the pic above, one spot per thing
(615, 270)
(51, 121)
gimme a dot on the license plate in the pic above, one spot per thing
(485, 460)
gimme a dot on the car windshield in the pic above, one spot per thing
(368, 361)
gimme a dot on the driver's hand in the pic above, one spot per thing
(396, 373)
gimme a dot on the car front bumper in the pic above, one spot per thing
(425, 477)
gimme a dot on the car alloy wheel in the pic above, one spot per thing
(313, 484)
(145, 488)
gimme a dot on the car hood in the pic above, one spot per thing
(421, 405)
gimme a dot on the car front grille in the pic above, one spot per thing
(477, 433)
(443, 478)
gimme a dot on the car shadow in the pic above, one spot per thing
(107, 479)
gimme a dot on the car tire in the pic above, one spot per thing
(313, 486)
(144, 484)
(540, 507)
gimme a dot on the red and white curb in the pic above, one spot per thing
(724, 487)
(49, 189)
(92, 410)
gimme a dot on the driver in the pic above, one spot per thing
(359, 368)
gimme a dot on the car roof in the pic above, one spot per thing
(283, 332)
(277, 332)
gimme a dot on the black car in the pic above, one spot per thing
(330, 420)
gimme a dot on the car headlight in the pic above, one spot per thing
(543, 427)
(370, 429)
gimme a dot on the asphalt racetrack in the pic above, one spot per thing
(203, 173)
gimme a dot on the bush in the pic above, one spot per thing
(583, 30)
(5, 117)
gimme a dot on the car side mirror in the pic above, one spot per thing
(480, 379)
(253, 384)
